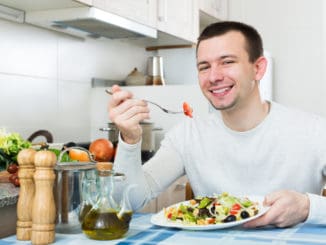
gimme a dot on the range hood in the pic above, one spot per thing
(89, 22)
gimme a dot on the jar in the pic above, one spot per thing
(107, 219)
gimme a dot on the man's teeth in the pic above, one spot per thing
(222, 90)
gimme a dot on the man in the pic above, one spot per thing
(246, 146)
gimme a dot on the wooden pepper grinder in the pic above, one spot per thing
(43, 227)
(26, 171)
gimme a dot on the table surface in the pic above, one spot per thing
(143, 232)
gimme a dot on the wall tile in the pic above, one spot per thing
(27, 50)
(80, 60)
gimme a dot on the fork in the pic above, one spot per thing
(153, 103)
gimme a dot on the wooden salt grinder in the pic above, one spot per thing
(26, 171)
(43, 227)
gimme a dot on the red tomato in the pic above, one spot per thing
(234, 212)
(12, 177)
(16, 182)
(210, 220)
(12, 168)
(187, 110)
(236, 206)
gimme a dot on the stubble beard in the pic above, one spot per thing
(224, 107)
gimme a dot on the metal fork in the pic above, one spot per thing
(153, 103)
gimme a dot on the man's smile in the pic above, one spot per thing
(221, 91)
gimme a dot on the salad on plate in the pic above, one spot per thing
(217, 209)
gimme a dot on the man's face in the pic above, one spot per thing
(226, 76)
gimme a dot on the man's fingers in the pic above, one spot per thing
(115, 88)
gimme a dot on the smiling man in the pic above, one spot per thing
(247, 146)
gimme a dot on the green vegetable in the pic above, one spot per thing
(204, 202)
(183, 208)
(246, 203)
(10, 145)
(65, 157)
(189, 217)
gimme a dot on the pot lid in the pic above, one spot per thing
(74, 166)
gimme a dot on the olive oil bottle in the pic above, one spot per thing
(106, 219)
(106, 225)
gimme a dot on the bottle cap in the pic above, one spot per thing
(104, 166)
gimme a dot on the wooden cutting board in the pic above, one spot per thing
(4, 176)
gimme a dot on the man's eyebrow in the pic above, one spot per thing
(227, 56)
(219, 58)
(202, 63)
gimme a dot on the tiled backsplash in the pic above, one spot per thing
(45, 78)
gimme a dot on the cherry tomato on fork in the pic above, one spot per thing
(187, 109)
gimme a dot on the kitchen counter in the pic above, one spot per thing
(8, 194)
(8, 205)
(143, 232)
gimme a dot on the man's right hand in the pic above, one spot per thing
(127, 113)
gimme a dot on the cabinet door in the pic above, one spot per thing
(179, 18)
(215, 8)
(142, 11)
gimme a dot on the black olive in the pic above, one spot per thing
(203, 212)
(230, 218)
(212, 209)
(190, 209)
(244, 214)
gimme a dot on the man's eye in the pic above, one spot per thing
(228, 62)
(202, 68)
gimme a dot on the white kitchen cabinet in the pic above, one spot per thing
(142, 11)
(215, 8)
(179, 18)
(165, 15)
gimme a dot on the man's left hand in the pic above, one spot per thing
(287, 208)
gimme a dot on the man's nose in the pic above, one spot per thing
(216, 74)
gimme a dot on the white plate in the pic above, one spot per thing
(160, 220)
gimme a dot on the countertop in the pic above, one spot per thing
(143, 232)
(8, 209)
(8, 194)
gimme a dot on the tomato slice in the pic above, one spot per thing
(187, 110)
(234, 212)
(236, 206)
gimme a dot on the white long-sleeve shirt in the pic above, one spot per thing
(287, 150)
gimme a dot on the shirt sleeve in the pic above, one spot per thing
(317, 212)
(153, 177)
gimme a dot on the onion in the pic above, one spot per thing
(102, 149)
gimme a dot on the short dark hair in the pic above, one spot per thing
(254, 43)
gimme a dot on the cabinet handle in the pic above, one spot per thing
(161, 10)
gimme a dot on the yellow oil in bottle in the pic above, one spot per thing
(105, 225)
(85, 208)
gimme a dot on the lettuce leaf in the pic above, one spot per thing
(10, 145)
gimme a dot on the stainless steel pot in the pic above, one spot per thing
(148, 137)
(67, 192)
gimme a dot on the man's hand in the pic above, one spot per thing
(287, 208)
(127, 113)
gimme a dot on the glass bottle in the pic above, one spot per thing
(89, 193)
(107, 220)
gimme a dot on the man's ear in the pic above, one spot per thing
(260, 67)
